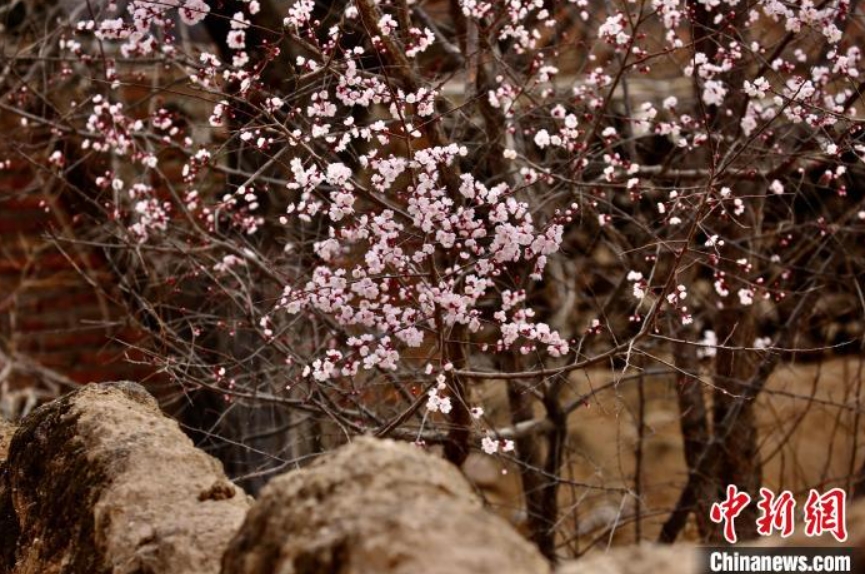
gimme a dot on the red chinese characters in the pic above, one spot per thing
(826, 513)
(823, 513)
(727, 511)
(776, 513)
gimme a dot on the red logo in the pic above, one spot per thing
(728, 510)
(822, 513)
(776, 513)
(825, 513)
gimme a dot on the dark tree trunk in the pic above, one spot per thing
(694, 422)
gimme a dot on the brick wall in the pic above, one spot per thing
(60, 322)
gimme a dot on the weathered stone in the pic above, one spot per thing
(8, 527)
(100, 481)
(7, 429)
(376, 507)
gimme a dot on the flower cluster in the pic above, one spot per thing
(503, 190)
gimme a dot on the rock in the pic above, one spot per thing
(7, 517)
(99, 481)
(376, 507)
(637, 559)
(7, 429)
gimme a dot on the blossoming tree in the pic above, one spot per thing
(386, 203)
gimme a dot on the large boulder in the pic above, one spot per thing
(7, 529)
(376, 507)
(7, 429)
(99, 481)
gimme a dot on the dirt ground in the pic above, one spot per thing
(810, 436)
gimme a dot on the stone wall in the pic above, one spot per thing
(100, 481)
